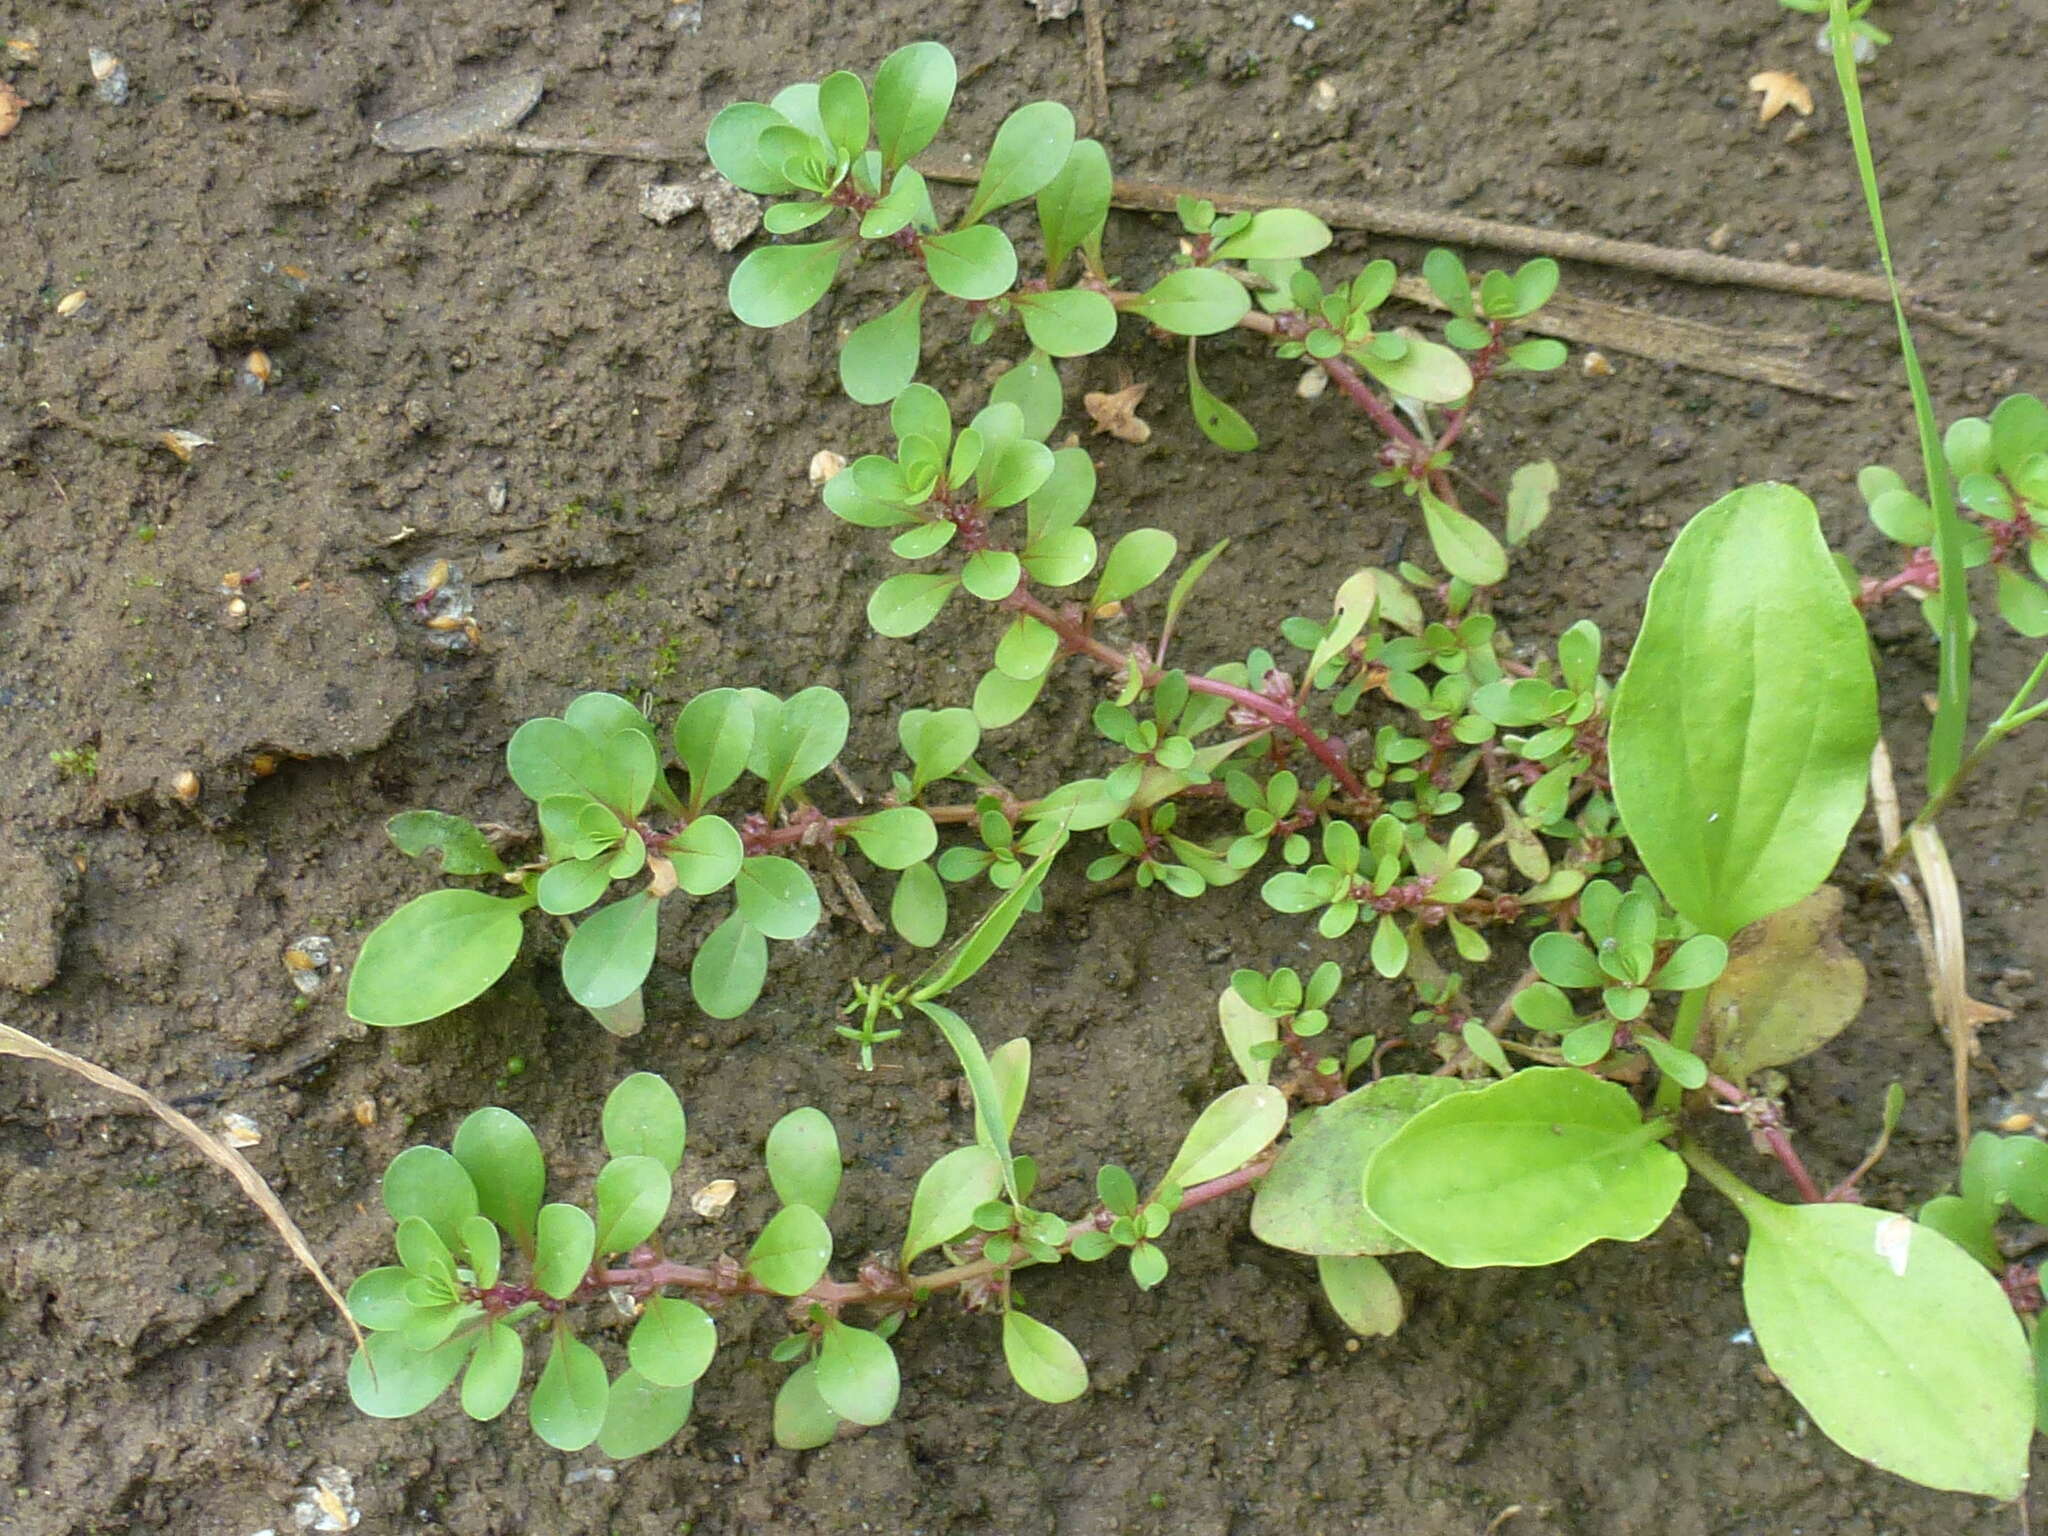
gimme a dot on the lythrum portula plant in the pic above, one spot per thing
(1650, 851)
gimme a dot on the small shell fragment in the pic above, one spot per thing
(185, 787)
(25, 50)
(310, 961)
(712, 1201)
(1311, 384)
(183, 443)
(72, 303)
(366, 1112)
(110, 77)
(255, 373)
(438, 597)
(1596, 365)
(824, 465)
(238, 1130)
(329, 1504)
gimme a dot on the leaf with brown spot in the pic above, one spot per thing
(1790, 987)
(1781, 89)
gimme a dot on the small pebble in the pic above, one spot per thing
(110, 77)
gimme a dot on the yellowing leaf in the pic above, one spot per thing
(1790, 986)
(1781, 89)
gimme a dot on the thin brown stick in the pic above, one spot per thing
(1098, 79)
(15, 1042)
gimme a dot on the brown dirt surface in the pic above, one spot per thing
(499, 361)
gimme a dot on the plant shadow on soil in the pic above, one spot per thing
(466, 323)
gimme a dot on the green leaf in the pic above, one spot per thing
(463, 849)
(991, 574)
(1001, 701)
(503, 1159)
(565, 1242)
(1565, 961)
(917, 910)
(857, 1373)
(611, 951)
(673, 1342)
(1193, 301)
(895, 838)
(880, 358)
(1233, 1130)
(1067, 322)
(569, 887)
(1902, 1347)
(1033, 386)
(734, 143)
(906, 603)
(632, 1199)
(948, 1195)
(991, 1128)
(843, 109)
(644, 1119)
(1137, 560)
(2019, 431)
(569, 1400)
(1308, 1202)
(1275, 234)
(793, 218)
(1743, 726)
(803, 1422)
(706, 855)
(388, 1379)
(1246, 1028)
(714, 736)
(1219, 421)
(981, 941)
(790, 1255)
(1529, 492)
(1446, 276)
(377, 1298)
(776, 897)
(913, 92)
(803, 1160)
(1028, 151)
(641, 1415)
(1074, 205)
(2022, 603)
(807, 734)
(1041, 1360)
(1362, 1293)
(430, 1184)
(1694, 963)
(938, 742)
(974, 263)
(1060, 558)
(492, 1380)
(1425, 371)
(1524, 1171)
(729, 968)
(434, 954)
(1465, 546)
(1538, 354)
(777, 283)
(1063, 499)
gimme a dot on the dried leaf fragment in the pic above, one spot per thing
(711, 1201)
(11, 103)
(1781, 89)
(1790, 987)
(1117, 413)
(183, 443)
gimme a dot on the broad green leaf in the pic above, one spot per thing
(503, 1159)
(917, 910)
(1425, 371)
(388, 1379)
(991, 574)
(714, 736)
(1001, 701)
(793, 218)
(1011, 473)
(1027, 648)
(803, 1160)
(1467, 547)
(1074, 205)
(1136, 560)
(1244, 1029)
(1028, 151)
(1275, 234)
(1067, 322)
(569, 1400)
(1743, 726)
(1362, 1293)
(2022, 603)
(434, 954)
(881, 355)
(938, 742)
(982, 940)
(1041, 1360)
(857, 1373)
(803, 1422)
(1529, 491)
(1219, 420)
(485, 1248)
(569, 887)
(790, 1255)
(706, 855)
(1524, 1171)
(734, 143)
(432, 1185)
(1193, 301)
(611, 951)
(644, 1118)
(1063, 500)
(777, 283)
(2019, 431)
(673, 1342)
(974, 263)
(632, 1199)
(1902, 1347)
(906, 603)
(991, 1129)
(1309, 1202)
(948, 1195)
(565, 1241)
(1233, 1130)
(463, 849)
(895, 838)
(377, 1298)
(641, 1415)
(776, 897)
(1445, 273)
(494, 1371)
(843, 109)
(1033, 386)
(729, 968)
(1060, 558)
(547, 756)
(808, 733)
(913, 92)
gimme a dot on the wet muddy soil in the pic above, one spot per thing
(498, 360)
